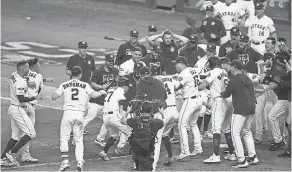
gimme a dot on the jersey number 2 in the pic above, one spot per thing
(75, 93)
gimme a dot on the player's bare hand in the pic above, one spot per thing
(31, 84)
(103, 92)
(213, 36)
(259, 90)
(260, 62)
(49, 79)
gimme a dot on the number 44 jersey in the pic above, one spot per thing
(170, 86)
(76, 94)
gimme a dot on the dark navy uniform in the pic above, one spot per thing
(229, 45)
(125, 50)
(155, 62)
(248, 56)
(169, 54)
(192, 51)
(86, 63)
(212, 25)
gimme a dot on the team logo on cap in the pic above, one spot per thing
(89, 62)
(172, 49)
(205, 22)
(213, 23)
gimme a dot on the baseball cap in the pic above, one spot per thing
(134, 33)
(193, 38)
(152, 28)
(82, 44)
(137, 49)
(259, 6)
(237, 64)
(109, 57)
(33, 61)
(210, 8)
(211, 47)
(156, 48)
(144, 70)
(234, 31)
(224, 60)
(76, 70)
(268, 56)
(182, 59)
(243, 38)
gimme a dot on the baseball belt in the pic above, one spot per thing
(193, 97)
(108, 113)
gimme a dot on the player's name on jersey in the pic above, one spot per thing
(48, 54)
(166, 79)
(259, 26)
(74, 84)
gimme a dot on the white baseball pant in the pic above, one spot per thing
(21, 124)
(225, 38)
(170, 118)
(278, 110)
(72, 121)
(242, 123)
(189, 114)
(221, 115)
(31, 114)
(115, 126)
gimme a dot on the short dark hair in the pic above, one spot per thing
(21, 63)
(147, 107)
(272, 39)
(33, 61)
(76, 70)
(213, 62)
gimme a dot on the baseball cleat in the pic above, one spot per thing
(133, 167)
(6, 163)
(257, 142)
(196, 153)
(207, 134)
(213, 159)
(11, 158)
(79, 166)
(230, 157)
(286, 154)
(275, 146)
(103, 156)
(242, 164)
(119, 151)
(253, 160)
(65, 165)
(100, 142)
(29, 159)
(169, 162)
(182, 156)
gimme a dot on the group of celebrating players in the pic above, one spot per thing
(226, 81)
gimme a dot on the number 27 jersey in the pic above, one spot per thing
(76, 94)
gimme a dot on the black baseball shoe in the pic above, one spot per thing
(286, 154)
(253, 160)
(242, 164)
(275, 146)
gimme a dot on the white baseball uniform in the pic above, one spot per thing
(20, 122)
(189, 112)
(222, 108)
(76, 95)
(170, 113)
(112, 116)
(259, 30)
(229, 15)
(127, 67)
(32, 92)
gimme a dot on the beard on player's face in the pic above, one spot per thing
(133, 39)
(167, 39)
(234, 38)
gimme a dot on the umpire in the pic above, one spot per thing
(212, 27)
(84, 60)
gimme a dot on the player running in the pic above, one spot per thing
(222, 109)
(76, 94)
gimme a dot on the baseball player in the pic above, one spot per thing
(222, 109)
(231, 44)
(260, 27)
(202, 4)
(102, 79)
(190, 109)
(171, 116)
(228, 14)
(212, 28)
(243, 101)
(125, 50)
(21, 125)
(112, 115)
(128, 66)
(76, 94)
